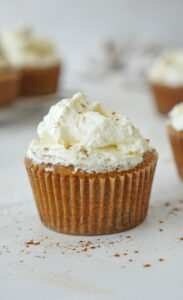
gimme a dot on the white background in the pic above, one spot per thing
(78, 25)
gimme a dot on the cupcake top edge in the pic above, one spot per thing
(175, 117)
(167, 69)
(24, 49)
(82, 134)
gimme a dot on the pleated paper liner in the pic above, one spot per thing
(39, 81)
(91, 204)
(166, 97)
(176, 140)
(9, 87)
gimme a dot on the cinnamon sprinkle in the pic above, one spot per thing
(117, 255)
(31, 242)
(146, 265)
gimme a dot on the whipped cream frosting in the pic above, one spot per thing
(168, 69)
(176, 117)
(84, 135)
(24, 49)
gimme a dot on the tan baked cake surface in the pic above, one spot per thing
(176, 140)
(9, 87)
(39, 81)
(89, 204)
(166, 97)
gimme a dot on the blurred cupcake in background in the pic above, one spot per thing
(166, 80)
(175, 132)
(35, 58)
(9, 82)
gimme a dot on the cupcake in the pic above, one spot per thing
(35, 58)
(9, 82)
(166, 80)
(90, 170)
(175, 133)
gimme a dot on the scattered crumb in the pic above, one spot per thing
(181, 238)
(160, 229)
(128, 237)
(136, 251)
(176, 209)
(130, 260)
(125, 253)
(146, 265)
(84, 250)
(117, 255)
(161, 259)
(31, 242)
(161, 222)
(167, 204)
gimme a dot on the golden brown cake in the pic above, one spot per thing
(166, 97)
(39, 81)
(175, 133)
(91, 171)
(176, 140)
(90, 204)
(36, 58)
(166, 80)
(9, 87)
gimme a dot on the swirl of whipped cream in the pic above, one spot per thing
(176, 117)
(82, 134)
(168, 69)
(23, 49)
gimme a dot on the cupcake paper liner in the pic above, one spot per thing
(166, 97)
(39, 81)
(91, 204)
(9, 87)
(176, 140)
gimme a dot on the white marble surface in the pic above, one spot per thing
(53, 269)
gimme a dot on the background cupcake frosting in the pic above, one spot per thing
(24, 49)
